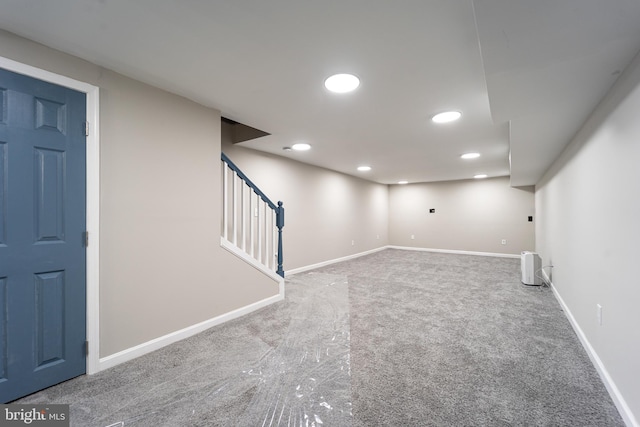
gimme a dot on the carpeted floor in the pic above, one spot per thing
(456, 340)
(396, 338)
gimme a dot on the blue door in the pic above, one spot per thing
(42, 224)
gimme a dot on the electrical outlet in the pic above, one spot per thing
(353, 242)
(599, 314)
(504, 241)
(413, 237)
(377, 237)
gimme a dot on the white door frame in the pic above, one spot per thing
(93, 197)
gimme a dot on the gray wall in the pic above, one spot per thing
(324, 210)
(162, 267)
(588, 206)
(471, 215)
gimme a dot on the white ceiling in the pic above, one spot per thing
(524, 73)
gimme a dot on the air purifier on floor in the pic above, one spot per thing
(531, 266)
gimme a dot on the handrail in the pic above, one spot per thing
(242, 216)
(250, 183)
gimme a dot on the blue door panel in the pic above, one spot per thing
(3, 109)
(49, 322)
(3, 179)
(49, 189)
(4, 309)
(42, 221)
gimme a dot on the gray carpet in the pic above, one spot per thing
(456, 340)
(397, 338)
(284, 365)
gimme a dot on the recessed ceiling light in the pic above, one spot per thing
(446, 117)
(470, 155)
(364, 168)
(301, 146)
(342, 83)
(480, 176)
(403, 182)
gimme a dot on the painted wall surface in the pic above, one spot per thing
(324, 210)
(470, 215)
(588, 206)
(162, 267)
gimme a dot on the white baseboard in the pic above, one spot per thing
(158, 343)
(155, 344)
(624, 410)
(404, 248)
(451, 251)
(333, 261)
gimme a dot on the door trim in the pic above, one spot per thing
(93, 197)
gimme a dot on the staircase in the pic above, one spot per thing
(251, 223)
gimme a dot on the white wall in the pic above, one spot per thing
(470, 215)
(324, 210)
(588, 207)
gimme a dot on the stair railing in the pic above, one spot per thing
(250, 220)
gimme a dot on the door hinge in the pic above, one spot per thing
(85, 238)
(86, 348)
(86, 128)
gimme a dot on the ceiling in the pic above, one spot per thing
(525, 74)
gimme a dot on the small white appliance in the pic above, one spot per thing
(531, 265)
